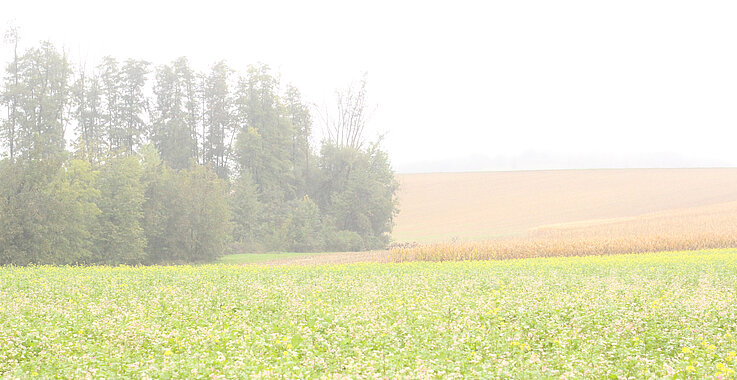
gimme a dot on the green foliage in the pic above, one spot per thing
(652, 316)
(209, 159)
(119, 234)
(303, 229)
(175, 114)
(87, 98)
(46, 211)
(358, 192)
(127, 132)
(76, 191)
(160, 194)
(354, 187)
(202, 224)
(246, 211)
(344, 241)
(186, 213)
(264, 141)
(36, 93)
(218, 118)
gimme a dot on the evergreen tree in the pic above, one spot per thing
(265, 139)
(263, 148)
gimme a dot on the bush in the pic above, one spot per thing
(303, 228)
(186, 214)
(344, 241)
(119, 237)
(46, 212)
(358, 193)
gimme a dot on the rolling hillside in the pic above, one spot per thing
(488, 205)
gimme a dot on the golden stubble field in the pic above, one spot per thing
(490, 205)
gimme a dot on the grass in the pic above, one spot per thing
(252, 258)
(645, 316)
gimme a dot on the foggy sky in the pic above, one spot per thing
(586, 83)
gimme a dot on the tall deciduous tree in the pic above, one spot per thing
(133, 104)
(39, 94)
(218, 121)
(298, 114)
(110, 92)
(9, 97)
(175, 114)
(345, 125)
(90, 143)
(265, 136)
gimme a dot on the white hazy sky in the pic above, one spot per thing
(630, 81)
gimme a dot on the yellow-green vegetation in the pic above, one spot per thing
(645, 316)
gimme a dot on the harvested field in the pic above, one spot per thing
(490, 205)
(504, 215)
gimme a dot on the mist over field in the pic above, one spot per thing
(533, 160)
(332, 189)
(442, 206)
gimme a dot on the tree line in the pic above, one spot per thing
(128, 162)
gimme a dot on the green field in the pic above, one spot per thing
(649, 315)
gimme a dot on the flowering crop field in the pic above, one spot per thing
(646, 315)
